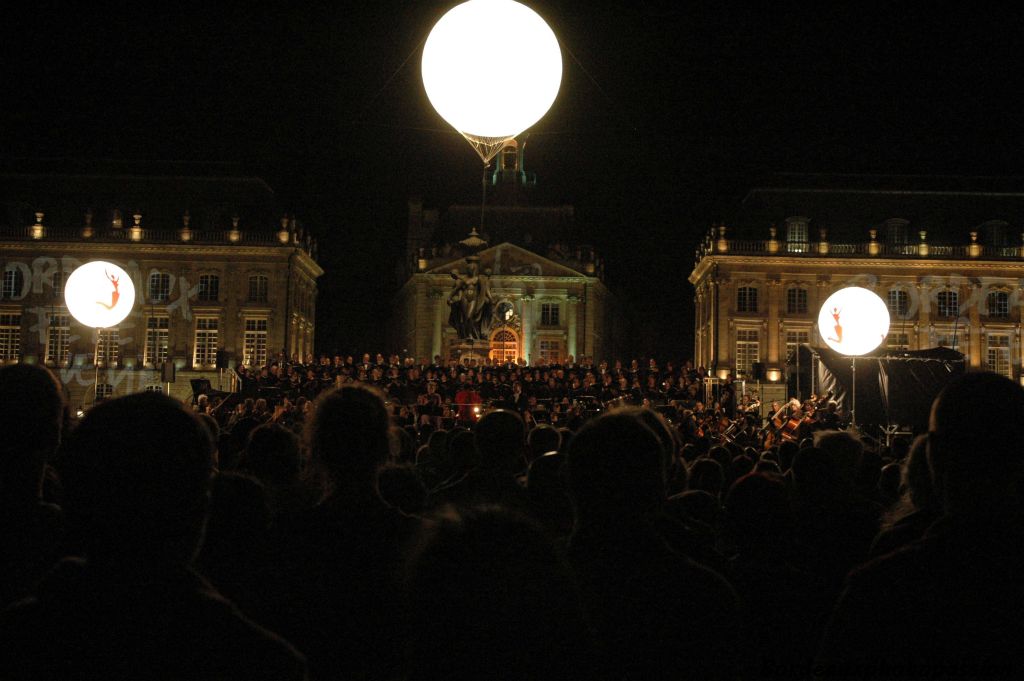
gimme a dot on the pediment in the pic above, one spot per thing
(509, 260)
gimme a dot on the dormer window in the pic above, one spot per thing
(796, 235)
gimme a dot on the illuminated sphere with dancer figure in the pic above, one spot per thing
(486, 51)
(99, 294)
(853, 321)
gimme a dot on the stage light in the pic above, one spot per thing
(773, 375)
(853, 321)
(491, 69)
(99, 294)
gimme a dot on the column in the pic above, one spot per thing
(923, 326)
(439, 310)
(527, 316)
(589, 307)
(772, 332)
(571, 311)
(974, 335)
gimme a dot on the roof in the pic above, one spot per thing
(947, 207)
(161, 199)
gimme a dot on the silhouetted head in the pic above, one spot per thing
(272, 455)
(137, 478)
(31, 416)
(845, 450)
(543, 439)
(615, 466)
(462, 454)
(977, 467)
(707, 475)
(491, 599)
(501, 440)
(758, 510)
(348, 434)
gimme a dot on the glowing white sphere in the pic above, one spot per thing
(853, 321)
(491, 68)
(99, 294)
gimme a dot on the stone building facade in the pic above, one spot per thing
(246, 290)
(544, 309)
(948, 263)
(550, 296)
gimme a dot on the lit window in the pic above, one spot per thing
(505, 346)
(209, 288)
(746, 299)
(796, 301)
(104, 391)
(748, 349)
(796, 236)
(205, 355)
(897, 341)
(998, 355)
(58, 340)
(948, 304)
(108, 347)
(550, 351)
(13, 286)
(10, 337)
(899, 304)
(157, 328)
(159, 287)
(794, 339)
(998, 304)
(255, 342)
(258, 288)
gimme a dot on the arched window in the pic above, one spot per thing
(209, 288)
(999, 304)
(948, 304)
(159, 287)
(899, 304)
(13, 283)
(504, 345)
(796, 235)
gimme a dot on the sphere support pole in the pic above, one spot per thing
(853, 391)
(96, 367)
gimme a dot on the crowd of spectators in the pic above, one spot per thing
(138, 544)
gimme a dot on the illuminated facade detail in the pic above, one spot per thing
(157, 335)
(255, 342)
(948, 274)
(504, 346)
(206, 342)
(176, 281)
(58, 340)
(10, 337)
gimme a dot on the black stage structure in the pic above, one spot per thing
(895, 388)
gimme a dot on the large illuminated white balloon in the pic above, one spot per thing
(99, 294)
(491, 68)
(853, 321)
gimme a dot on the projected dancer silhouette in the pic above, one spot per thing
(113, 296)
(837, 327)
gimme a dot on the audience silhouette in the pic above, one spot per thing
(609, 549)
(137, 475)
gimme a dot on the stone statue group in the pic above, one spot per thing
(471, 302)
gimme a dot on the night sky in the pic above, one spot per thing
(667, 114)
